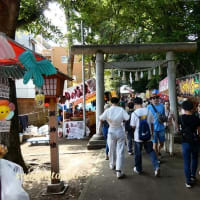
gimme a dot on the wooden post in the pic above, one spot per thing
(55, 176)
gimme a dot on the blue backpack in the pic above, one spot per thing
(144, 130)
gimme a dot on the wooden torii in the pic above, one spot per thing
(169, 48)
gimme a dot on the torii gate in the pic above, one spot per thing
(168, 48)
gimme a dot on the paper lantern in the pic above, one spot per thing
(130, 77)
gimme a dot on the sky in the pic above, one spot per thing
(56, 15)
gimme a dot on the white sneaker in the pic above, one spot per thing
(112, 167)
(157, 172)
(120, 174)
(135, 170)
(188, 185)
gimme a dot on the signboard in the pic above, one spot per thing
(4, 88)
(163, 85)
(4, 126)
(189, 86)
(76, 92)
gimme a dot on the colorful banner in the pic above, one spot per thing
(76, 92)
(163, 85)
(189, 86)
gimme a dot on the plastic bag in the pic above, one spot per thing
(11, 176)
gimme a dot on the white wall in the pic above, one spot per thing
(25, 90)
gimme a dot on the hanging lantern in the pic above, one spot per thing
(118, 73)
(136, 76)
(141, 74)
(154, 71)
(149, 74)
(124, 77)
(112, 74)
(130, 77)
(160, 70)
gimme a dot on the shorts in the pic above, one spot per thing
(158, 136)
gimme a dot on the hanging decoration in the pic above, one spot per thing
(154, 71)
(35, 69)
(136, 76)
(130, 77)
(141, 74)
(112, 74)
(118, 73)
(39, 100)
(160, 70)
(124, 76)
(149, 74)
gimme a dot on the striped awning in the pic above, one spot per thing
(12, 71)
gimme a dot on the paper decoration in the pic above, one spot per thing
(130, 78)
(4, 88)
(35, 69)
(124, 77)
(141, 74)
(118, 73)
(154, 71)
(136, 76)
(149, 74)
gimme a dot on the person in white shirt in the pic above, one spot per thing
(139, 116)
(115, 116)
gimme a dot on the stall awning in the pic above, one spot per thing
(12, 71)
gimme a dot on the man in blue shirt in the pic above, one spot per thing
(159, 130)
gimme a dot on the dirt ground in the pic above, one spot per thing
(76, 165)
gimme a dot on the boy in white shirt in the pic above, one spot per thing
(142, 123)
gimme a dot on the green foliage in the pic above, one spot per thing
(32, 19)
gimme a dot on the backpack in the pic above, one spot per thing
(144, 132)
(189, 134)
(128, 128)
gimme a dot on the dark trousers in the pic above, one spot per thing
(190, 157)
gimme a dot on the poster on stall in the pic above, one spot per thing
(74, 130)
(189, 85)
(4, 88)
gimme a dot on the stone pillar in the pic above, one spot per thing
(171, 74)
(97, 141)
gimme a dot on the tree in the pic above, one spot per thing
(15, 14)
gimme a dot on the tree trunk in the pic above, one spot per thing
(9, 12)
(14, 151)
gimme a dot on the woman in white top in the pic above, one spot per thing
(115, 115)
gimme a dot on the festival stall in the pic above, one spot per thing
(73, 122)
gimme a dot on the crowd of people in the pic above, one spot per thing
(145, 124)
